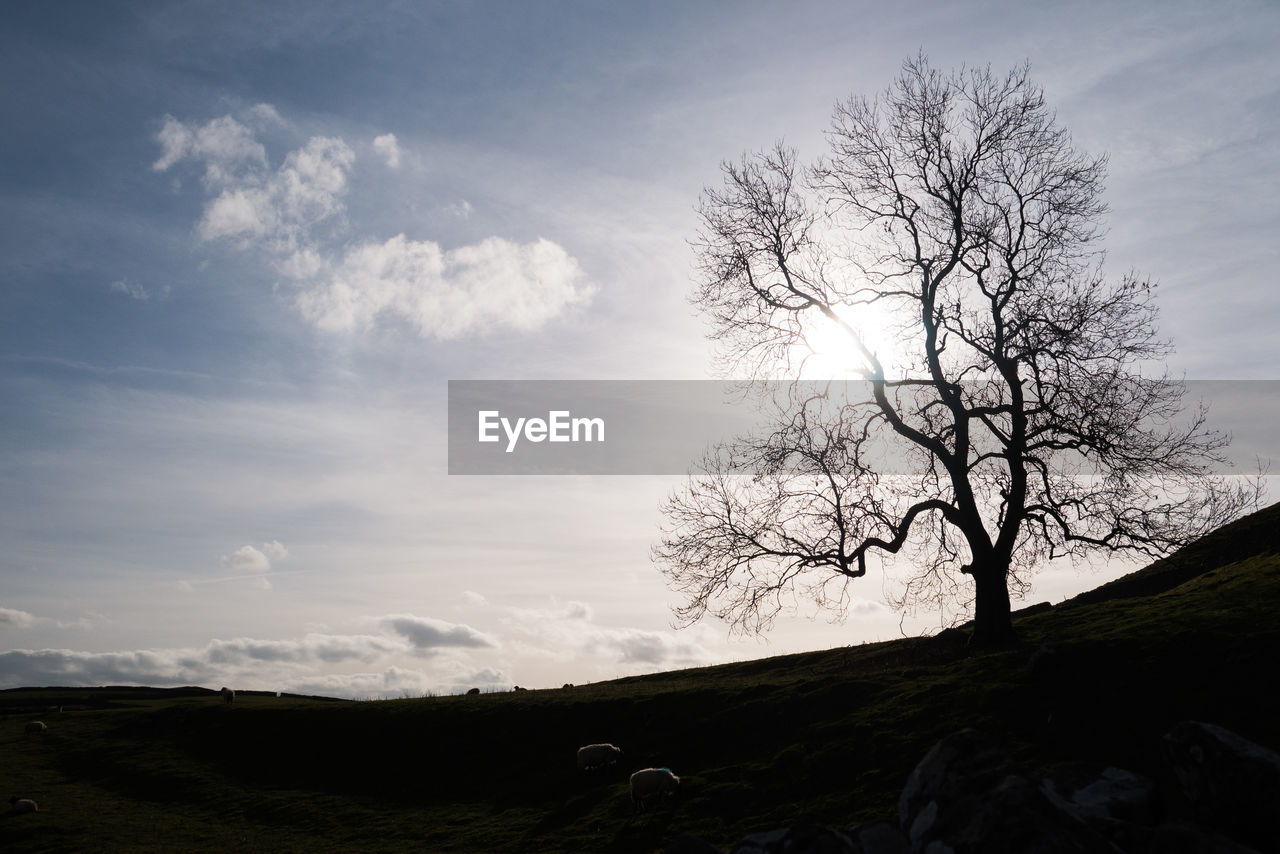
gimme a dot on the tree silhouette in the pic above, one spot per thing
(1031, 416)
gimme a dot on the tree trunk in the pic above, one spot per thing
(992, 624)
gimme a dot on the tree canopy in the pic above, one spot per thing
(1029, 415)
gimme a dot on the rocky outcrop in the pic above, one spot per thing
(1228, 782)
(967, 796)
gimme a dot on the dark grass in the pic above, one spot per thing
(825, 737)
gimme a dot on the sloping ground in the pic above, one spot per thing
(823, 737)
(1255, 534)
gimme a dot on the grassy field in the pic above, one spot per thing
(823, 737)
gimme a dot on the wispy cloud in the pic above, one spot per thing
(13, 618)
(570, 629)
(224, 145)
(134, 290)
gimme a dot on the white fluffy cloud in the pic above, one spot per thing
(350, 286)
(256, 558)
(275, 550)
(283, 207)
(389, 148)
(265, 115)
(247, 557)
(493, 285)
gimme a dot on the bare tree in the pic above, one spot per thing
(1033, 417)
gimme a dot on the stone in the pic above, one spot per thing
(1229, 782)
(968, 797)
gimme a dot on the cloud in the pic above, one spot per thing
(265, 114)
(348, 286)
(569, 629)
(399, 682)
(425, 633)
(491, 286)
(283, 207)
(314, 647)
(275, 550)
(859, 607)
(387, 146)
(247, 557)
(256, 558)
(133, 290)
(22, 667)
(15, 619)
(304, 665)
(225, 145)
(460, 209)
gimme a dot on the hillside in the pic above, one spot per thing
(823, 737)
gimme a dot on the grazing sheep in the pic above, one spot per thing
(18, 806)
(595, 756)
(36, 726)
(651, 784)
(228, 696)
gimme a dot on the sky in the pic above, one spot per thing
(247, 245)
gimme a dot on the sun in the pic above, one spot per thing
(830, 351)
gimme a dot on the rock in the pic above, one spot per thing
(967, 796)
(879, 837)
(1118, 804)
(1190, 839)
(1112, 793)
(1228, 781)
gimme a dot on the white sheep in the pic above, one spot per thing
(36, 726)
(595, 756)
(650, 784)
(18, 806)
(228, 696)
